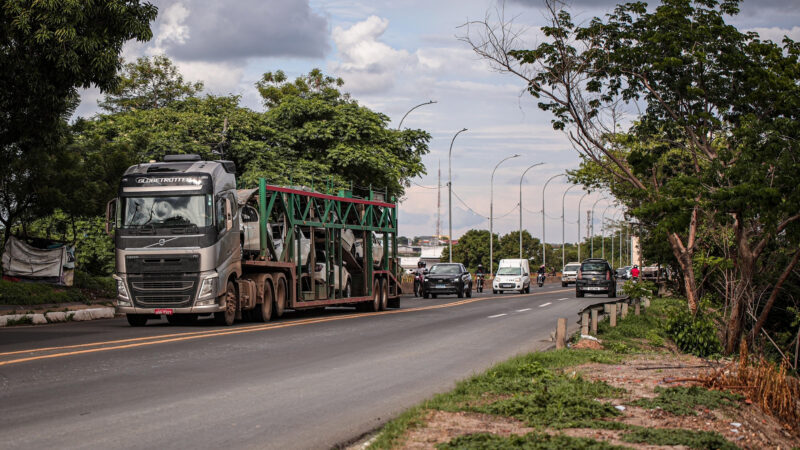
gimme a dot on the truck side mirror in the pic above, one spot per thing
(228, 214)
(111, 217)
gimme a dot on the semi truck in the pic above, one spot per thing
(189, 244)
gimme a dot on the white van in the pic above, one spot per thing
(512, 275)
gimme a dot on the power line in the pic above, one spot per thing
(467, 206)
(426, 187)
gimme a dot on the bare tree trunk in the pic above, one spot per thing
(774, 295)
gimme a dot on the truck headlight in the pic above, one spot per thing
(123, 298)
(209, 287)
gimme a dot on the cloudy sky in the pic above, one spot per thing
(395, 54)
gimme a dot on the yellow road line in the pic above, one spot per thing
(177, 337)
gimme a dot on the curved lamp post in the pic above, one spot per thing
(603, 229)
(563, 243)
(544, 254)
(429, 102)
(450, 193)
(491, 214)
(520, 205)
(592, 226)
(579, 225)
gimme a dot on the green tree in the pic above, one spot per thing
(472, 249)
(719, 112)
(50, 49)
(148, 83)
(321, 133)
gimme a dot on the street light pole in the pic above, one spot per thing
(544, 252)
(491, 214)
(520, 205)
(603, 229)
(450, 194)
(591, 226)
(563, 242)
(579, 225)
(429, 102)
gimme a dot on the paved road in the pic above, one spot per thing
(305, 381)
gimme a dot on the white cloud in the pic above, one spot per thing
(173, 28)
(366, 63)
(776, 34)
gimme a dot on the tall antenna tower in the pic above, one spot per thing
(439, 205)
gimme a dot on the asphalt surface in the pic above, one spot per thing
(308, 380)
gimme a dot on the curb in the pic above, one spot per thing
(55, 317)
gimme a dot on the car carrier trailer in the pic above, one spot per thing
(181, 253)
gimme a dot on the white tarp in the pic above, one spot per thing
(53, 265)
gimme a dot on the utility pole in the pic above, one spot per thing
(439, 205)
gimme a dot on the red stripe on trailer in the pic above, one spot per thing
(328, 197)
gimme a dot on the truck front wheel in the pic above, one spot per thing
(229, 315)
(136, 320)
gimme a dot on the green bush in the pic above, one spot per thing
(639, 289)
(695, 334)
(102, 285)
(27, 294)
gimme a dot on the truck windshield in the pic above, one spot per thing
(509, 271)
(163, 211)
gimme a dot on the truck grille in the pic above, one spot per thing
(163, 285)
(154, 290)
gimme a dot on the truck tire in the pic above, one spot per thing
(228, 316)
(375, 305)
(384, 295)
(136, 320)
(263, 312)
(280, 296)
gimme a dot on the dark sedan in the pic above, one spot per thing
(447, 278)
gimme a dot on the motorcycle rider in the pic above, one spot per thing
(418, 277)
(635, 273)
(541, 274)
(480, 273)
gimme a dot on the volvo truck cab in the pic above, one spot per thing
(177, 237)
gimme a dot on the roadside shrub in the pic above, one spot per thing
(681, 400)
(27, 294)
(639, 289)
(102, 285)
(693, 334)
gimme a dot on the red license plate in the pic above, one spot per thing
(167, 312)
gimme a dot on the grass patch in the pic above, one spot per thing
(535, 376)
(535, 390)
(681, 400)
(24, 320)
(86, 289)
(672, 436)
(632, 333)
(393, 431)
(537, 441)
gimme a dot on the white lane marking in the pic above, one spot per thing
(497, 315)
(565, 298)
(542, 306)
(523, 310)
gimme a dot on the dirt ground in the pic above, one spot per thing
(747, 426)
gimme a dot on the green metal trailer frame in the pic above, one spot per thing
(324, 217)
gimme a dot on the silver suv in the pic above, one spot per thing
(569, 273)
